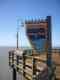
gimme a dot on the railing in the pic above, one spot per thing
(30, 65)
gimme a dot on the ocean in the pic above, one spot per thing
(5, 71)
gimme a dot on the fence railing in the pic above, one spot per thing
(33, 66)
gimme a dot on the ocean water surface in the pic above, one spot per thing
(5, 71)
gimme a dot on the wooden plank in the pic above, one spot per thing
(27, 72)
(29, 77)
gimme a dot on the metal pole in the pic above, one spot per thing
(49, 42)
(14, 74)
(49, 61)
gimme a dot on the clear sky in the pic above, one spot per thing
(27, 9)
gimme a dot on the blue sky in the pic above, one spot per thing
(10, 10)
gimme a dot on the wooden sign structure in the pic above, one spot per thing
(39, 35)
